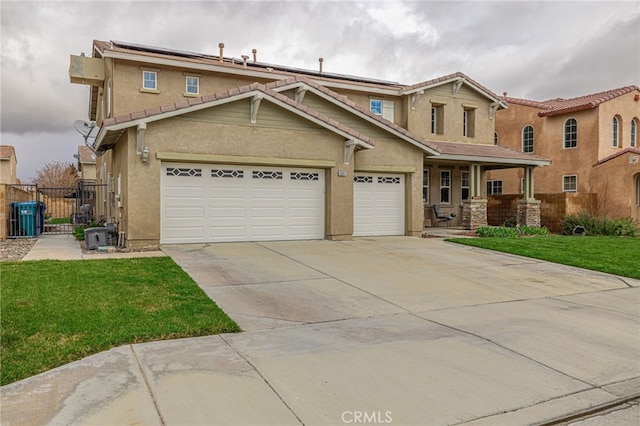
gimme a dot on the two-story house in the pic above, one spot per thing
(86, 163)
(592, 141)
(204, 148)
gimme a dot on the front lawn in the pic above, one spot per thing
(55, 312)
(613, 255)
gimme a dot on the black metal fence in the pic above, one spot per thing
(35, 210)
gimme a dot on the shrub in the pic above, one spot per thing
(511, 232)
(599, 225)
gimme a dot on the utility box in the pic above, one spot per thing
(96, 237)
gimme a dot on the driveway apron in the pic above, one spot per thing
(377, 330)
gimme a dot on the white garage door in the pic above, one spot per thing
(378, 206)
(215, 203)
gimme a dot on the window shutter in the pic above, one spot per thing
(387, 110)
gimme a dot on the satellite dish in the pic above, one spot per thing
(86, 128)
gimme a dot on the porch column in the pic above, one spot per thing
(528, 213)
(474, 210)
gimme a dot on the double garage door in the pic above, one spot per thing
(218, 203)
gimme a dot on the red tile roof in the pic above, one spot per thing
(85, 155)
(483, 150)
(454, 76)
(559, 106)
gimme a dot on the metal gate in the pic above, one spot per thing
(35, 210)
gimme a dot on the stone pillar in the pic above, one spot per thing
(528, 213)
(474, 213)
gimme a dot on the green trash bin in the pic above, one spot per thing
(27, 213)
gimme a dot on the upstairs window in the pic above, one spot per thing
(383, 108)
(634, 133)
(495, 138)
(570, 183)
(527, 139)
(192, 85)
(615, 134)
(468, 122)
(375, 105)
(437, 119)
(150, 80)
(570, 133)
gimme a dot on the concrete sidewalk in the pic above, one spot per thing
(404, 331)
(66, 247)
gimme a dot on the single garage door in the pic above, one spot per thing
(378, 206)
(215, 203)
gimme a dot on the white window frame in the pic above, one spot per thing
(375, 106)
(445, 184)
(425, 186)
(633, 140)
(527, 139)
(565, 182)
(565, 133)
(187, 85)
(145, 80)
(493, 185)
(465, 183)
(468, 122)
(437, 119)
(615, 132)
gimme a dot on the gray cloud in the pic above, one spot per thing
(531, 49)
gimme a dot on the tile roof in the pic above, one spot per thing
(628, 150)
(281, 84)
(484, 150)
(185, 104)
(6, 151)
(559, 106)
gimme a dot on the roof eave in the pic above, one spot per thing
(515, 162)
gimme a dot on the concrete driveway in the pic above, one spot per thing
(378, 330)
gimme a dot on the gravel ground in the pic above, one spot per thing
(15, 248)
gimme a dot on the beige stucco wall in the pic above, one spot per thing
(626, 108)
(127, 84)
(613, 181)
(419, 117)
(8, 170)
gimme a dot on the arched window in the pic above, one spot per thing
(634, 132)
(570, 133)
(527, 139)
(615, 133)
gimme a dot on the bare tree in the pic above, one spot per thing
(57, 174)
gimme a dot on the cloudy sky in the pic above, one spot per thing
(530, 49)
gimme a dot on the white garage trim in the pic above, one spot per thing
(217, 203)
(378, 204)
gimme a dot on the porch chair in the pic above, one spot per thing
(441, 217)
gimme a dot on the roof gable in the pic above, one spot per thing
(628, 150)
(456, 78)
(6, 151)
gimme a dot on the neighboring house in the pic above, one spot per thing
(86, 163)
(205, 148)
(593, 142)
(8, 164)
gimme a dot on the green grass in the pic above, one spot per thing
(55, 312)
(613, 255)
(58, 220)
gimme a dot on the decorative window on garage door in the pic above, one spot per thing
(260, 174)
(234, 174)
(388, 179)
(363, 179)
(180, 171)
(304, 176)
